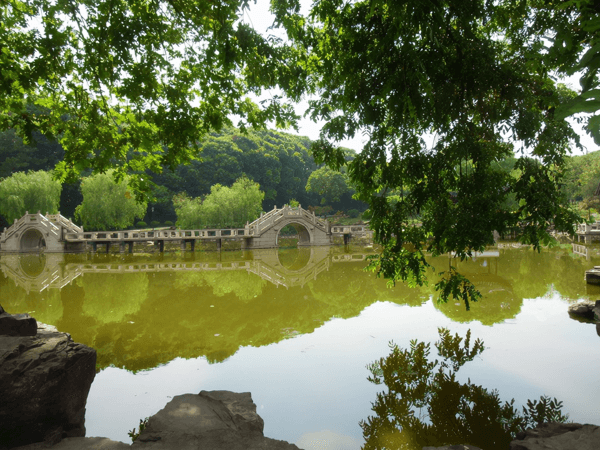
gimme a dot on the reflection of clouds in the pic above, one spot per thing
(327, 440)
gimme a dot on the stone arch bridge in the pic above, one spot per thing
(55, 233)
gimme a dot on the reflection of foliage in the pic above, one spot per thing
(159, 316)
(111, 297)
(242, 284)
(45, 306)
(456, 413)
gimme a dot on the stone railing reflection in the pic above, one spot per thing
(36, 273)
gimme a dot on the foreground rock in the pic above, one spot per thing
(17, 325)
(558, 436)
(209, 420)
(80, 443)
(589, 311)
(44, 383)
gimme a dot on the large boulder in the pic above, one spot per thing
(558, 436)
(209, 420)
(44, 383)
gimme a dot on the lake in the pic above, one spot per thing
(297, 328)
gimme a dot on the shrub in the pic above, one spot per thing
(154, 223)
(168, 223)
(141, 224)
(353, 213)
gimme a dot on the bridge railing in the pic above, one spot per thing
(64, 222)
(584, 228)
(351, 229)
(145, 235)
(271, 218)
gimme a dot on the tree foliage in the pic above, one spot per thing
(107, 204)
(31, 191)
(134, 84)
(224, 207)
(329, 184)
(575, 49)
(458, 71)
(425, 404)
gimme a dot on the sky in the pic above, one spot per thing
(261, 19)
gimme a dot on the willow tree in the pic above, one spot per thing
(28, 191)
(400, 71)
(108, 204)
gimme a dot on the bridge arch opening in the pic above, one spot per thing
(295, 231)
(32, 240)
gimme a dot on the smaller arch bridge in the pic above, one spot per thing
(264, 231)
(37, 233)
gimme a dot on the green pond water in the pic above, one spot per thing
(297, 328)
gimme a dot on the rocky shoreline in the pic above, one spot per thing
(45, 379)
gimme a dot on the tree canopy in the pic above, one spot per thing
(133, 84)
(329, 184)
(463, 73)
(224, 207)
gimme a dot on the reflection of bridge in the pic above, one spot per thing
(55, 233)
(35, 273)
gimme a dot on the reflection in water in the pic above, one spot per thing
(295, 259)
(33, 265)
(425, 404)
(139, 311)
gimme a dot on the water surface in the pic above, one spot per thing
(297, 328)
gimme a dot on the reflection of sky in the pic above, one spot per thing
(313, 387)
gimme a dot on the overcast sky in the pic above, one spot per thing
(260, 18)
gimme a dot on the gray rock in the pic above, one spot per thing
(44, 384)
(210, 420)
(584, 310)
(80, 443)
(596, 311)
(17, 324)
(558, 436)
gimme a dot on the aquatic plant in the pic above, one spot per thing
(133, 435)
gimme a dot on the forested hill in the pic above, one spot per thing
(280, 162)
